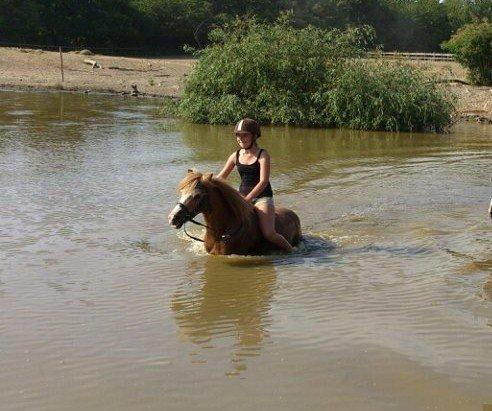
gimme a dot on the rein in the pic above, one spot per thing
(189, 218)
(197, 223)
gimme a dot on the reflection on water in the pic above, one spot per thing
(227, 298)
(215, 143)
(386, 303)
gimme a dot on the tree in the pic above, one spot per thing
(20, 21)
(472, 47)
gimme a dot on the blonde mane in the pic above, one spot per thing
(241, 209)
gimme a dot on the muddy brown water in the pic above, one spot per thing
(386, 304)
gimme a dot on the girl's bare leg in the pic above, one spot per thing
(266, 216)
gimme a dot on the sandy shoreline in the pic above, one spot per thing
(29, 69)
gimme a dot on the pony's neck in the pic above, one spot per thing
(222, 218)
(219, 222)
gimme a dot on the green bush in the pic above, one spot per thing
(279, 74)
(381, 95)
(472, 47)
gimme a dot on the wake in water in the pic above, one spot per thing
(315, 244)
(310, 245)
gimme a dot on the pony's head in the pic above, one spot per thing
(193, 200)
(200, 194)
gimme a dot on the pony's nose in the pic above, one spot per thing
(175, 219)
(172, 219)
(172, 215)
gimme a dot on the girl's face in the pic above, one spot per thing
(244, 139)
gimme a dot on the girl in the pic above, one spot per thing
(253, 165)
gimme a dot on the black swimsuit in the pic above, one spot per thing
(250, 177)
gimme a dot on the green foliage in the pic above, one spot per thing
(270, 72)
(171, 23)
(472, 47)
(405, 25)
(278, 74)
(68, 22)
(458, 13)
(168, 108)
(428, 24)
(382, 95)
(20, 20)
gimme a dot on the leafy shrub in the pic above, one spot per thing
(269, 71)
(472, 47)
(382, 95)
(308, 77)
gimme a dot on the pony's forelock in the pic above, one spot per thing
(189, 183)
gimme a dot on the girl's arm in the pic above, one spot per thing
(228, 167)
(264, 161)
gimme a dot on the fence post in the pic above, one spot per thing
(61, 64)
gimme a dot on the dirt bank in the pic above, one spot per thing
(38, 69)
(473, 102)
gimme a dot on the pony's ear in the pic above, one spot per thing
(207, 177)
(190, 170)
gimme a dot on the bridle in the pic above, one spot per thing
(189, 217)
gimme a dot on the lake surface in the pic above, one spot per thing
(386, 304)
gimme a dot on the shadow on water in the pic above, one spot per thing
(223, 304)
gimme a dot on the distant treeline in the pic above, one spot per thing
(166, 25)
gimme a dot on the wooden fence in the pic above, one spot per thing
(415, 56)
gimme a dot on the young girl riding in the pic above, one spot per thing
(253, 165)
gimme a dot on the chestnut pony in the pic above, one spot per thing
(231, 222)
